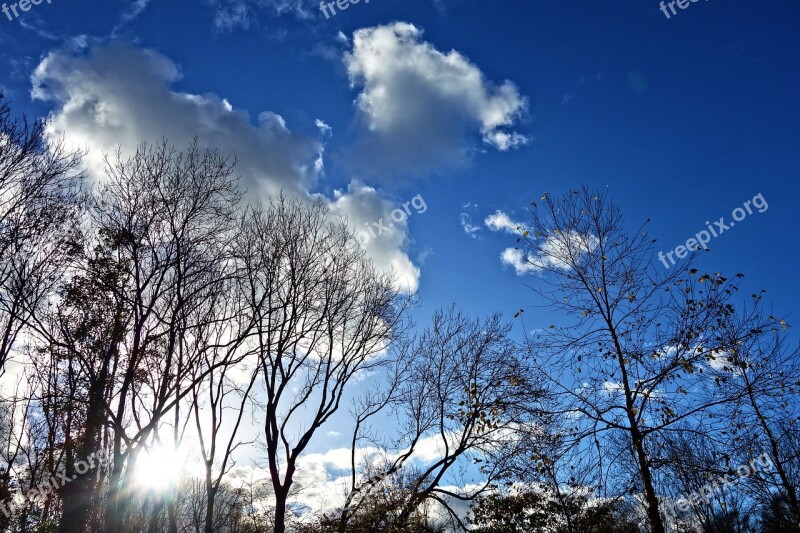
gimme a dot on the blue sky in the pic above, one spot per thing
(683, 119)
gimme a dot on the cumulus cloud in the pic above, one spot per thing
(424, 109)
(553, 252)
(119, 96)
(323, 478)
(362, 205)
(517, 259)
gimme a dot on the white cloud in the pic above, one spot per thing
(556, 252)
(230, 15)
(323, 128)
(613, 388)
(134, 9)
(431, 448)
(322, 478)
(516, 258)
(469, 228)
(500, 221)
(423, 106)
(119, 96)
(336, 458)
(667, 351)
(362, 205)
(505, 141)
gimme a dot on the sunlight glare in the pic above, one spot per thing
(159, 468)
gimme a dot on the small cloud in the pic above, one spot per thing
(516, 258)
(565, 99)
(556, 252)
(134, 9)
(505, 141)
(469, 228)
(232, 14)
(333, 434)
(424, 255)
(323, 128)
(500, 221)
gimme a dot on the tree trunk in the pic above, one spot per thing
(211, 495)
(78, 496)
(281, 496)
(118, 498)
(113, 513)
(653, 514)
(73, 509)
(155, 515)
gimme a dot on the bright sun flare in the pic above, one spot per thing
(159, 468)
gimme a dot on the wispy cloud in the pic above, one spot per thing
(469, 228)
(501, 221)
(133, 10)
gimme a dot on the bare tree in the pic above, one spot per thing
(323, 314)
(634, 363)
(223, 393)
(765, 420)
(153, 261)
(40, 204)
(466, 389)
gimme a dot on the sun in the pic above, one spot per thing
(159, 468)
